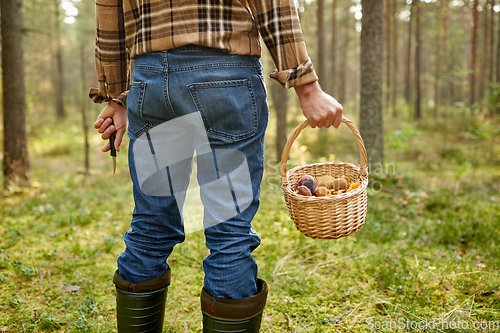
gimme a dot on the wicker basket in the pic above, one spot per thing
(330, 217)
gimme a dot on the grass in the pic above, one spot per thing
(428, 251)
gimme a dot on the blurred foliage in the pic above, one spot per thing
(398, 139)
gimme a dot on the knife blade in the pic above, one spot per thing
(112, 149)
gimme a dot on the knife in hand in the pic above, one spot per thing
(112, 149)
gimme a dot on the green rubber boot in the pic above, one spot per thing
(140, 307)
(234, 315)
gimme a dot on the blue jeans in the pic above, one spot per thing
(227, 93)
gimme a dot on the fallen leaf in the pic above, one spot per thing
(70, 287)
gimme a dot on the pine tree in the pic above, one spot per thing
(371, 119)
(15, 163)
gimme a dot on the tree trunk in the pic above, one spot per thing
(16, 168)
(438, 72)
(498, 53)
(446, 72)
(472, 75)
(491, 63)
(279, 97)
(418, 45)
(85, 102)
(343, 58)
(320, 64)
(483, 78)
(333, 57)
(498, 62)
(371, 116)
(387, 53)
(408, 57)
(394, 51)
(492, 38)
(59, 77)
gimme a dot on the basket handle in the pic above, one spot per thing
(362, 151)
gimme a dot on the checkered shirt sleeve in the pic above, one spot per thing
(127, 29)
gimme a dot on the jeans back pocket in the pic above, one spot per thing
(228, 108)
(135, 100)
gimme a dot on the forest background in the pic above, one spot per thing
(429, 248)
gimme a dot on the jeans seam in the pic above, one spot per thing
(148, 125)
(216, 65)
(149, 68)
(257, 67)
(165, 89)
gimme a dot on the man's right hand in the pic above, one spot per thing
(321, 109)
(118, 115)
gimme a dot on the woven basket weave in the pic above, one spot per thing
(330, 217)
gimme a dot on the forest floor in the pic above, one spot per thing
(426, 260)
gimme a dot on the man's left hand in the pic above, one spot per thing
(116, 114)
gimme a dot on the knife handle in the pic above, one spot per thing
(112, 143)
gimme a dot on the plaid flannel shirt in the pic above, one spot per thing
(125, 29)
